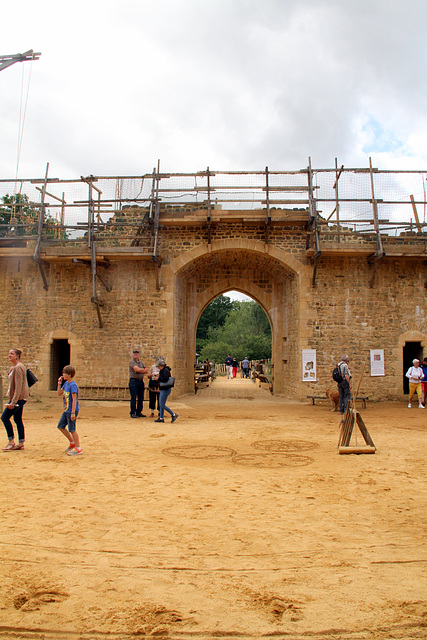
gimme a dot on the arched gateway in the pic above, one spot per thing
(272, 277)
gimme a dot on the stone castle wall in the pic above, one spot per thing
(157, 307)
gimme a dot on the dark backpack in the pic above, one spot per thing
(336, 374)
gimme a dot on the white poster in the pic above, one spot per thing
(377, 362)
(309, 365)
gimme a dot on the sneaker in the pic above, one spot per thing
(174, 417)
(151, 415)
(133, 415)
(71, 446)
(159, 420)
(75, 452)
(409, 405)
(421, 406)
(140, 415)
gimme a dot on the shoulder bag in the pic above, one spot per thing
(168, 384)
(31, 378)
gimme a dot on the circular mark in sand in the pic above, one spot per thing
(284, 445)
(199, 451)
(272, 460)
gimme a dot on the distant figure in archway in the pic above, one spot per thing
(234, 365)
(245, 367)
(229, 366)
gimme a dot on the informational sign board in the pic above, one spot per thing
(309, 373)
(377, 362)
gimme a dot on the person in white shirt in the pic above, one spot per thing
(415, 375)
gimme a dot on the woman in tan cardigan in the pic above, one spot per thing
(18, 393)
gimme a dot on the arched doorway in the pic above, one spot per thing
(59, 358)
(57, 349)
(411, 350)
(270, 282)
(233, 324)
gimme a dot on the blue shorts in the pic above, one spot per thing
(65, 421)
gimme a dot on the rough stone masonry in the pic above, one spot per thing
(353, 305)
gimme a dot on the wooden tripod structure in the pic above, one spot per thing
(352, 417)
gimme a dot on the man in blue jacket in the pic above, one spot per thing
(229, 366)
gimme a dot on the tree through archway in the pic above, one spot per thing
(239, 327)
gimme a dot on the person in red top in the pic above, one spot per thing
(18, 393)
(234, 364)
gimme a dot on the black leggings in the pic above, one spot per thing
(153, 399)
(16, 412)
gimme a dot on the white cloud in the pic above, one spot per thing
(233, 84)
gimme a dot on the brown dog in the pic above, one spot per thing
(334, 398)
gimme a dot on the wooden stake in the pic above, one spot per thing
(414, 209)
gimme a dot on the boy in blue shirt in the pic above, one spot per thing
(70, 395)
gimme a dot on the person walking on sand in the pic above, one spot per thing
(164, 375)
(68, 389)
(415, 375)
(18, 394)
(344, 387)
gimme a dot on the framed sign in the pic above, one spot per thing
(309, 373)
(377, 362)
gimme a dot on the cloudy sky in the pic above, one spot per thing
(229, 84)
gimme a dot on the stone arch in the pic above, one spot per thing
(255, 246)
(269, 275)
(412, 336)
(76, 353)
(233, 284)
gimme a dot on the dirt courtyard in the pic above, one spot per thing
(240, 520)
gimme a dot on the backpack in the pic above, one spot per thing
(336, 374)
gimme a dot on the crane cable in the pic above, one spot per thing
(22, 114)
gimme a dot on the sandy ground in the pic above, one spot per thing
(240, 520)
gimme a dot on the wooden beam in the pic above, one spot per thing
(414, 209)
(357, 450)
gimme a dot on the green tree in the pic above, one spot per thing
(18, 213)
(214, 315)
(246, 332)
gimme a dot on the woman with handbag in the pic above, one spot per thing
(18, 393)
(166, 383)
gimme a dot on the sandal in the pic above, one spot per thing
(18, 447)
(9, 446)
